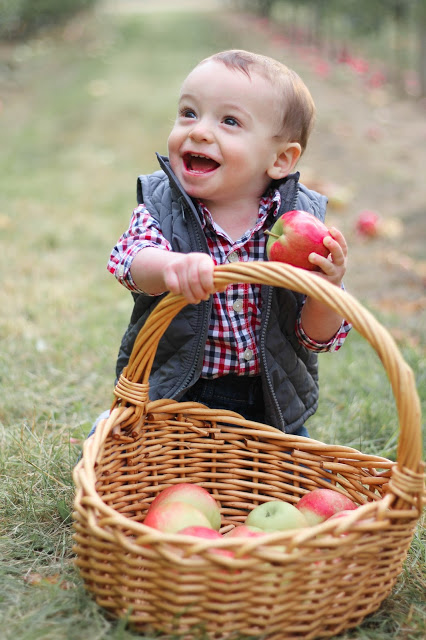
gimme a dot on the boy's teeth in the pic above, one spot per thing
(199, 163)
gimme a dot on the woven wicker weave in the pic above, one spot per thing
(307, 583)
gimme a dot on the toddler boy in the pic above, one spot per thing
(243, 122)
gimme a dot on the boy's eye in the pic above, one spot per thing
(232, 122)
(187, 113)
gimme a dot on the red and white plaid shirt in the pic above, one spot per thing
(233, 335)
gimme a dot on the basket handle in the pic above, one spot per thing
(282, 275)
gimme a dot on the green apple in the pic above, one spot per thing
(276, 515)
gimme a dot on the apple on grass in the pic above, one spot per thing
(194, 495)
(294, 236)
(171, 517)
(368, 223)
(276, 515)
(320, 504)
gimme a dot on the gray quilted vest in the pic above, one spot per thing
(289, 371)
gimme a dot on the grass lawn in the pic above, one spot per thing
(84, 110)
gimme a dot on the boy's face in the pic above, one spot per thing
(223, 142)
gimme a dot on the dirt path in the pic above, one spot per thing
(142, 6)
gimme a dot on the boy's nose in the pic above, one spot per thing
(201, 132)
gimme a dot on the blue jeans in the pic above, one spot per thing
(242, 394)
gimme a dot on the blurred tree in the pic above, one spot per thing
(338, 27)
(22, 18)
(261, 7)
(421, 64)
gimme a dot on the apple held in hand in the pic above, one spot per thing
(171, 517)
(294, 236)
(193, 495)
(276, 515)
(320, 504)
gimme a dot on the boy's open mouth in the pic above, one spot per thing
(198, 163)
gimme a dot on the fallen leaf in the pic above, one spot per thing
(406, 263)
(400, 336)
(98, 88)
(5, 221)
(407, 307)
(37, 579)
(391, 227)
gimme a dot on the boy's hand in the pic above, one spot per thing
(332, 268)
(190, 274)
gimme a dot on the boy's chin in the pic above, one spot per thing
(192, 190)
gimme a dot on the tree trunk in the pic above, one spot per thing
(421, 25)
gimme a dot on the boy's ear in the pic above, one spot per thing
(285, 161)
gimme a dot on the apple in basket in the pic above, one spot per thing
(208, 534)
(276, 515)
(243, 531)
(171, 517)
(191, 494)
(320, 504)
(201, 532)
(294, 236)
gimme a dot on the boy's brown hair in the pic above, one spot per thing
(297, 105)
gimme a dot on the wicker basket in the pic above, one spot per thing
(308, 583)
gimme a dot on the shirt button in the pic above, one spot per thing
(233, 257)
(238, 306)
(248, 354)
(119, 272)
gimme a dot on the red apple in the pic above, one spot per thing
(368, 223)
(194, 495)
(201, 532)
(171, 517)
(340, 514)
(243, 531)
(320, 504)
(346, 512)
(209, 534)
(294, 236)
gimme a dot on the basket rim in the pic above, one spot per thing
(84, 479)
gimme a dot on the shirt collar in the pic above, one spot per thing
(268, 204)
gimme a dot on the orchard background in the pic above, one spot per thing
(86, 99)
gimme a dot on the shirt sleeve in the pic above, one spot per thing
(331, 345)
(144, 231)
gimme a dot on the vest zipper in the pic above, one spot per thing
(203, 247)
(296, 195)
(263, 358)
(184, 385)
(263, 333)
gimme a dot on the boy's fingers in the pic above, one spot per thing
(206, 278)
(339, 238)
